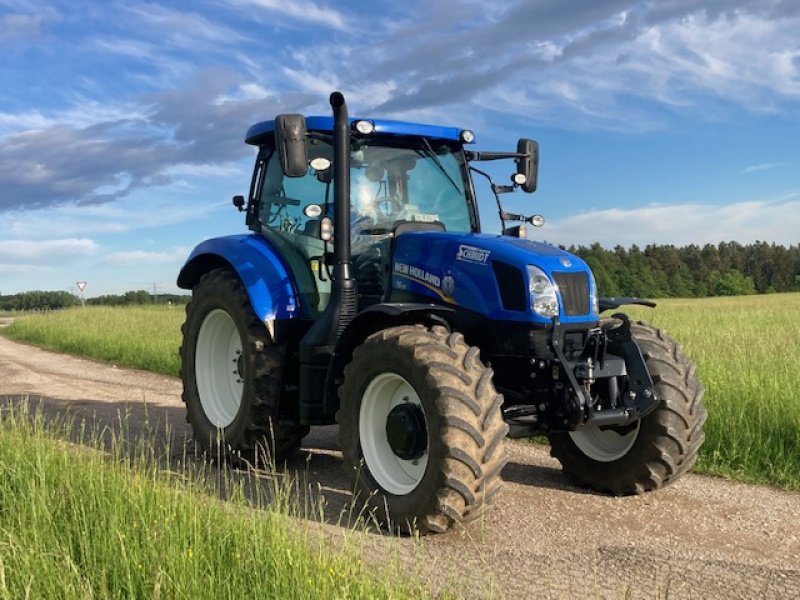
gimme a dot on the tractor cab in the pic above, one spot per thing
(401, 174)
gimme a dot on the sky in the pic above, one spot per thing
(122, 123)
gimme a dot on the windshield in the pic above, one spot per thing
(388, 183)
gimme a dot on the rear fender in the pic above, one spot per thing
(267, 280)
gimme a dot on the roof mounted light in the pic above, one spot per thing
(536, 220)
(467, 136)
(364, 127)
(519, 178)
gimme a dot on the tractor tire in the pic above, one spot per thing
(231, 373)
(655, 450)
(411, 387)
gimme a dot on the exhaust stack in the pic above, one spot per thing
(319, 343)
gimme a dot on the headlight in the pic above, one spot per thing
(594, 301)
(543, 293)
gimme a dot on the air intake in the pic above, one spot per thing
(511, 284)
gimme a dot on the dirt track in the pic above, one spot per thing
(701, 538)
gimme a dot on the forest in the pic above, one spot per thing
(666, 271)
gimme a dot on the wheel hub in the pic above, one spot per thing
(406, 431)
(240, 366)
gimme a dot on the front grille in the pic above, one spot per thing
(574, 289)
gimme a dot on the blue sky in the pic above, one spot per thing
(122, 123)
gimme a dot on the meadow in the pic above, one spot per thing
(107, 519)
(142, 337)
(747, 351)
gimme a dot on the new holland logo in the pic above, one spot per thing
(448, 285)
(472, 254)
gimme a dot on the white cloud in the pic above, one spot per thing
(83, 113)
(245, 91)
(183, 28)
(613, 66)
(24, 269)
(681, 224)
(127, 47)
(22, 27)
(16, 251)
(300, 10)
(763, 167)
(121, 217)
(176, 255)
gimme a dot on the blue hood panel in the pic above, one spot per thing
(457, 269)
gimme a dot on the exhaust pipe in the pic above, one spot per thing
(341, 188)
(318, 345)
(342, 306)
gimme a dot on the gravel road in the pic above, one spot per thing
(543, 538)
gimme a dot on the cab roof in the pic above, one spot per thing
(258, 132)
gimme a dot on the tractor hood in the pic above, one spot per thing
(488, 274)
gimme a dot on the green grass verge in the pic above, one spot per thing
(747, 351)
(76, 522)
(142, 337)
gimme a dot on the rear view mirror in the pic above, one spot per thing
(290, 141)
(529, 164)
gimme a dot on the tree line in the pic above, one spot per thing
(44, 300)
(662, 271)
(38, 300)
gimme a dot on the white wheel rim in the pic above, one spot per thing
(604, 445)
(220, 385)
(394, 474)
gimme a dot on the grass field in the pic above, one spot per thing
(74, 524)
(143, 337)
(747, 351)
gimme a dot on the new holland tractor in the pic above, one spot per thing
(366, 295)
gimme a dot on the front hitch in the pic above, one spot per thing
(635, 402)
(641, 398)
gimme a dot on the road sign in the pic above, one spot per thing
(81, 285)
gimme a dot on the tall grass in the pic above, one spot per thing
(76, 524)
(143, 337)
(747, 351)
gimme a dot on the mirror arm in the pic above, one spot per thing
(483, 156)
(493, 187)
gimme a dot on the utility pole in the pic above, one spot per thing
(155, 292)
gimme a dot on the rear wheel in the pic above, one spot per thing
(231, 373)
(421, 427)
(653, 451)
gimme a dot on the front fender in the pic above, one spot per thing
(267, 280)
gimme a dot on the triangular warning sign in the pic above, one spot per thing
(81, 285)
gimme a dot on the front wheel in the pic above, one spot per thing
(653, 451)
(231, 373)
(421, 428)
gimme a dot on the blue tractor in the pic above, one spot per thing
(365, 295)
